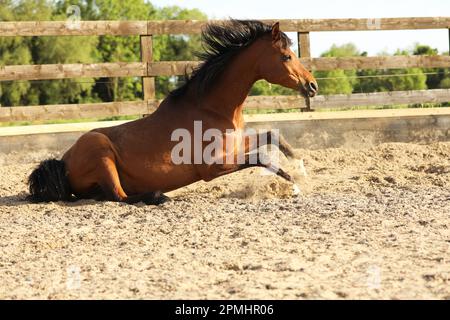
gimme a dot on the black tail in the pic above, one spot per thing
(48, 182)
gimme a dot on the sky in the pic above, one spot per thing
(374, 42)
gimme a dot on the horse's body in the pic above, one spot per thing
(135, 148)
(132, 162)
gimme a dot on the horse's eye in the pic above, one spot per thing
(286, 58)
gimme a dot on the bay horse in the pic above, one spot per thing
(132, 162)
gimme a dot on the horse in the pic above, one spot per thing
(132, 162)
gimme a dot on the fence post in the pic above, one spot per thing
(148, 83)
(304, 47)
(304, 51)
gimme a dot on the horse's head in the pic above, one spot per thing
(279, 65)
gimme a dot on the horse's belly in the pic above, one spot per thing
(158, 177)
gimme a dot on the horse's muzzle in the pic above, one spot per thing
(308, 89)
(312, 88)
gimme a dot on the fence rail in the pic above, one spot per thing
(174, 68)
(128, 28)
(104, 110)
(148, 69)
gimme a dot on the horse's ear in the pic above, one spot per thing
(276, 33)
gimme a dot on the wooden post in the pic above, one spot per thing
(304, 51)
(304, 48)
(148, 83)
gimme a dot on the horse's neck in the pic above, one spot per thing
(228, 95)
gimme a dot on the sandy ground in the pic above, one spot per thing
(371, 223)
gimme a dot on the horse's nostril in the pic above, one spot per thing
(313, 86)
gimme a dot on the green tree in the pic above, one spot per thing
(436, 77)
(42, 50)
(175, 47)
(265, 88)
(13, 51)
(391, 79)
(337, 81)
(127, 49)
(113, 48)
(445, 82)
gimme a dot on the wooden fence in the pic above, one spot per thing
(148, 69)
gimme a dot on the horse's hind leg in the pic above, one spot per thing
(109, 182)
(91, 166)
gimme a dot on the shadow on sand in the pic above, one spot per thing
(22, 199)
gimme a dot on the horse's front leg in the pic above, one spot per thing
(254, 160)
(254, 141)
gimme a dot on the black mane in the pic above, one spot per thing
(221, 42)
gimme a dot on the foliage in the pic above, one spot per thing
(49, 50)
(437, 78)
(352, 81)
(43, 50)
(264, 88)
(337, 81)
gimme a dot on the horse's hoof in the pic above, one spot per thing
(295, 190)
(163, 199)
(156, 199)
